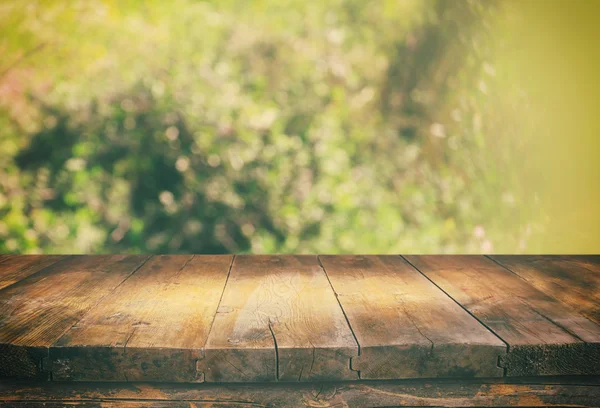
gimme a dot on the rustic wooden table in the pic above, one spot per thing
(204, 330)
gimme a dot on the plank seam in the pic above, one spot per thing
(166, 284)
(220, 300)
(135, 328)
(203, 350)
(60, 259)
(552, 297)
(510, 270)
(100, 300)
(47, 348)
(462, 307)
(491, 258)
(555, 323)
(343, 312)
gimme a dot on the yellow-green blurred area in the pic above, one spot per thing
(279, 126)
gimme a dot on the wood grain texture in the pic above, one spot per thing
(37, 310)
(574, 280)
(151, 328)
(279, 320)
(545, 337)
(14, 268)
(463, 393)
(405, 325)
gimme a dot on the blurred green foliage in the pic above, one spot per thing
(266, 126)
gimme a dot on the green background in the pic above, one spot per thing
(413, 126)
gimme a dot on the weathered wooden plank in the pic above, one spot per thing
(151, 328)
(545, 337)
(5, 257)
(37, 310)
(13, 268)
(405, 325)
(279, 319)
(574, 280)
(462, 393)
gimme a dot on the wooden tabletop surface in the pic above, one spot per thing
(297, 318)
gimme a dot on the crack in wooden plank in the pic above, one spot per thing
(276, 352)
(410, 318)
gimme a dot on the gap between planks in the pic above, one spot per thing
(405, 325)
(545, 336)
(343, 311)
(103, 297)
(151, 327)
(462, 307)
(45, 363)
(279, 321)
(198, 367)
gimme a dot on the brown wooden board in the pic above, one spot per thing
(279, 319)
(151, 328)
(13, 268)
(6, 257)
(405, 325)
(432, 393)
(179, 318)
(37, 310)
(545, 337)
(574, 280)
